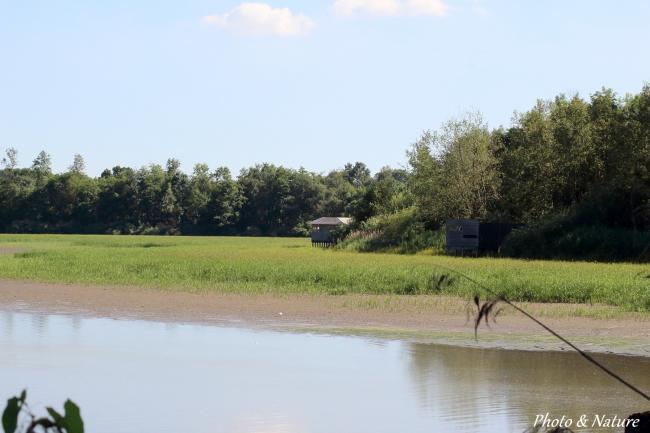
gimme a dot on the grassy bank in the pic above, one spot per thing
(282, 265)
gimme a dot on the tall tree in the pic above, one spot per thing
(225, 203)
(198, 195)
(118, 199)
(455, 171)
(10, 160)
(151, 187)
(42, 166)
(78, 164)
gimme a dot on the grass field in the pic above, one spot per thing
(282, 265)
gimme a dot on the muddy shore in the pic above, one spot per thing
(433, 319)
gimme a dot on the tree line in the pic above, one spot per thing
(262, 200)
(565, 165)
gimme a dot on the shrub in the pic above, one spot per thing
(399, 232)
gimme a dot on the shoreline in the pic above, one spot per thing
(432, 319)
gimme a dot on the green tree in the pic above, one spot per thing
(10, 161)
(576, 163)
(632, 179)
(278, 200)
(170, 209)
(225, 203)
(338, 194)
(455, 171)
(78, 164)
(199, 192)
(151, 187)
(71, 200)
(305, 194)
(358, 174)
(118, 199)
(266, 189)
(42, 167)
(529, 166)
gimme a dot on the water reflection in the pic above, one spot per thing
(39, 323)
(8, 324)
(473, 384)
(146, 376)
(76, 322)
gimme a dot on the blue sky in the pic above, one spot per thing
(313, 84)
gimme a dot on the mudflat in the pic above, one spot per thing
(439, 319)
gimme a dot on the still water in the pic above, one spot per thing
(138, 376)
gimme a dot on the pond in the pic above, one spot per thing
(137, 376)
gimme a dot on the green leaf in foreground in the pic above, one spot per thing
(56, 416)
(10, 415)
(73, 421)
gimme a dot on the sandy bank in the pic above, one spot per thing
(431, 318)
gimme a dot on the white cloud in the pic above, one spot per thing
(479, 9)
(427, 7)
(348, 8)
(372, 7)
(261, 19)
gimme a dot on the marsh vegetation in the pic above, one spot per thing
(291, 265)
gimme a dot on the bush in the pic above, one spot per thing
(400, 232)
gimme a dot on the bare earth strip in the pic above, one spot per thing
(9, 250)
(423, 318)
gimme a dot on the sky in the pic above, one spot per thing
(302, 84)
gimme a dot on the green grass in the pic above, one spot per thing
(282, 265)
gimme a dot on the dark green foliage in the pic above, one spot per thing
(72, 418)
(11, 412)
(560, 238)
(401, 231)
(576, 171)
(595, 229)
(69, 422)
(455, 172)
(278, 200)
(564, 153)
(264, 199)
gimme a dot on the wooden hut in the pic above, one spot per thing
(470, 236)
(322, 228)
(462, 236)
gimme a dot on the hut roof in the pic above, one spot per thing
(330, 221)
